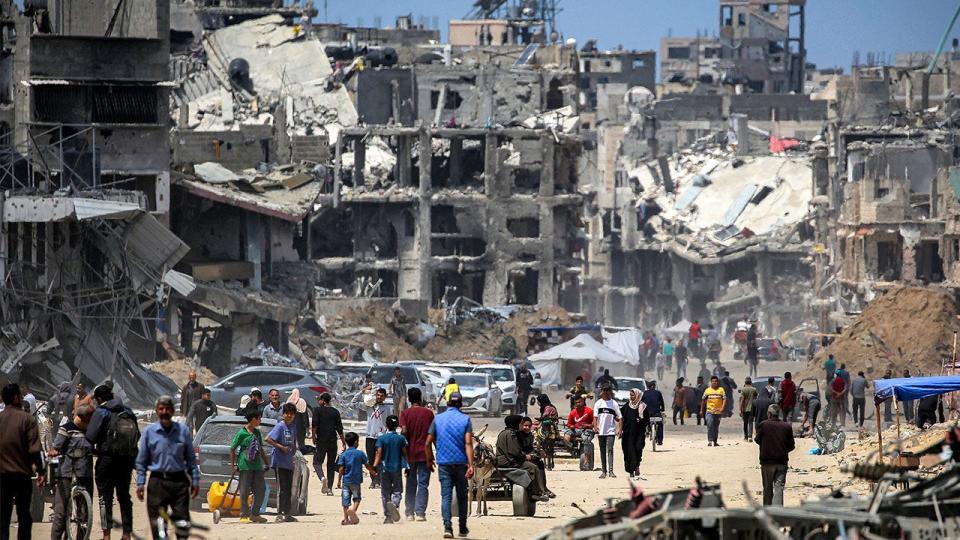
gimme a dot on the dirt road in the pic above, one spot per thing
(684, 455)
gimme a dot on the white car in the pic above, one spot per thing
(480, 393)
(624, 384)
(505, 377)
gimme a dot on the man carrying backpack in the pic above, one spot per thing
(115, 435)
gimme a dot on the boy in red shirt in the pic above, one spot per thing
(580, 421)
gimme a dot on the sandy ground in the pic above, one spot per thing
(684, 456)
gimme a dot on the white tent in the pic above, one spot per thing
(680, 329)
(582, 350)
(626, 341)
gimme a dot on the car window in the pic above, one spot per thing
(383, 374)
(250, 379)
(499, 374)
(471, 380)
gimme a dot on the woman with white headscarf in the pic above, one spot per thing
(301, 419)
(635, 421)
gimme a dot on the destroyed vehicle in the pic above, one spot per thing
(480, 393)
(381, 375)
(212, 446)
(228, 391)
(772, 349)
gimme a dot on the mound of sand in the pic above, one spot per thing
(906, 328)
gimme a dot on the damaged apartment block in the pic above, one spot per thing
(488, 214)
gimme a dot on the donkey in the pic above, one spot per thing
(483, 467)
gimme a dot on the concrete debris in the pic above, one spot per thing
(262, 355)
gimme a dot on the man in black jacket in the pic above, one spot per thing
(929, 411)
(327, 430)
(114, 433)
(775, 438)
(655, 408)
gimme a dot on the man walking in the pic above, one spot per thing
(697, 392)
(788, 396)
(415, 426)
(20, 459)
(524, 389)
(605, 380)
(830, 368)
(114, 432)
(753, 351)
(327, 430)
(190, 393)
(653, 399)
(376, 426)
(728, 385)
(858, 390)
(283, 439)
(201, 409)
(775, 438)
(82, 398)
(679, 401)
(712, 407)
(607, 426)
(838, 389)
(274, 409)
(398, 389)
(766, 397)
(452, 433)
(747, 394)
(166, 451)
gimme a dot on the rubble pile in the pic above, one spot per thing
(913, 439)
(907, 328)
(390, 335)
(179, 371)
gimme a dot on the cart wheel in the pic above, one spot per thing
(216, 516)
(532, 508)
(520, 503)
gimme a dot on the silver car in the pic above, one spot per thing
(506, 379)
(212, 447)
(480, 393)
(227, 391)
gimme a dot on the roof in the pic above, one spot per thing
(911, 388)
(265, 195)
(582, 347)
(30, 208)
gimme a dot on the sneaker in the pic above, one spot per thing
(392, 512)
(603, 475)
(611, 475)
(410, 517)
(290, 519)
(542, 498)
(279, 518)
(551, 494)
(448, 533)
(421, 518)
(464, 533)
(245, 519)
(258, 519)
(387, 521)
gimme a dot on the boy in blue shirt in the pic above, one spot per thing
(390, 462)
(350, 465)
(283, 438)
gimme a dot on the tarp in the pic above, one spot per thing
(626, 342)
(583, 348)
(912, 388)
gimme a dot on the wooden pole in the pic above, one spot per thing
(879, 436)
(896, 406)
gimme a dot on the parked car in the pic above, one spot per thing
(227, 391)
(212, 448)
(505, 377)
(382, 373)
(624, 384)
(771, 349)
(480, 393)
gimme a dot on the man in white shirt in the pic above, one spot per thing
(607, 425)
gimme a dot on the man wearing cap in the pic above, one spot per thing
(166, 451)
(255, 398)
(775, 438)
(452, 432)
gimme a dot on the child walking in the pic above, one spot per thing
(390, 462)
(350, 466)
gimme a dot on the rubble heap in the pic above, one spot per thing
(906, 328)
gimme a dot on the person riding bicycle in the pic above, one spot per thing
(76, 460)
(579, 422)
(578, 389)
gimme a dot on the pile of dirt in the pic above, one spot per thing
(906, 328)
(391, 335)
(179, 371)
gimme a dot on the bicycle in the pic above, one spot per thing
(163, 524)
(652, 431)
(79, 508)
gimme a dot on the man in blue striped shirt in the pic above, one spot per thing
(166, 450)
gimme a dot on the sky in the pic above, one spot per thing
(835, 28)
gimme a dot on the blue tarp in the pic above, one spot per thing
(908, 389)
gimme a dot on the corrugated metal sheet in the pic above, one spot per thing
(180, 282)
(96, 208)
(738, 204)
(154, 244)
(686, 198)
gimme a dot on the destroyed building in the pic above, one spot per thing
(760, 46)
(84, 169)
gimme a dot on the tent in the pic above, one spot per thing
(911, 388)
(680, 329)
(908, 389)
(626, 341)
(581, 351)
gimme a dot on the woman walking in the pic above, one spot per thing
(635, 421)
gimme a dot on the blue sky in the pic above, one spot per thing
(835, 28)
